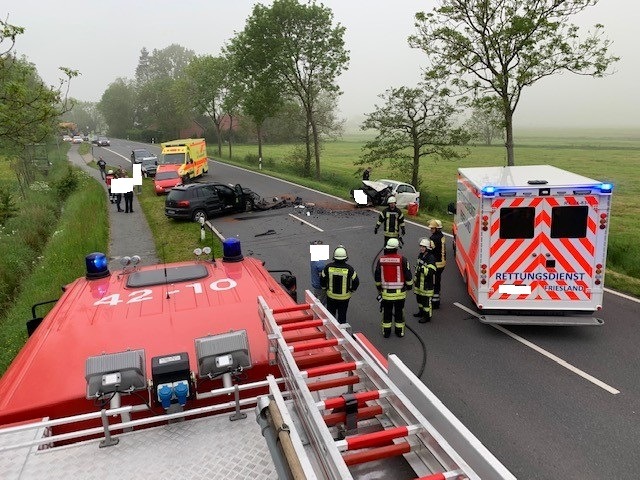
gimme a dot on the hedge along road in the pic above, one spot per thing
(541, 419)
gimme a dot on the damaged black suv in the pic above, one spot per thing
(199, 201)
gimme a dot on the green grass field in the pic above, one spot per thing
(609, 156)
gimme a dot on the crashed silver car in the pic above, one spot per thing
(378, 191)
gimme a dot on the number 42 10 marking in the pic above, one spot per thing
(146, 294)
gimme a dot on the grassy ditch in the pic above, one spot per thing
(58, 263)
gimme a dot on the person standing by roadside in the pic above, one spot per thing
(366, 173)
(102, 165)
(424, 280)
(128, 199)
(118, 196)
(110, 176)
(317, 264)
(393, 279)
(340, 280)
(392, 221)
(440, 253)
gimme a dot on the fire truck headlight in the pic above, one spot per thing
(97, 265)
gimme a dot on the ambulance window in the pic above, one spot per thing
(516, 222)
(569, 222)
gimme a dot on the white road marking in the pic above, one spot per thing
(304, 221)
(627, 297)
(549, 355)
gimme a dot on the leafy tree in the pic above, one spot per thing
(142, 70)
(86, 116)
(486, 121)
(412, 124)
(299, 49)
(117, 105)
(207, 78)
(29, 109)
(169, 62)
(499, 48)
(162, 106)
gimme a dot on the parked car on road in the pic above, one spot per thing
(137, 154)
(149, 167)
(163, 182)
(67, 138)
(197, 201)
(77, 139)
(103, 142)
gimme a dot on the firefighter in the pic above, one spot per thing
(440, 252)
(424, 280)
(392, 220)
(393, 278)
(110, 176)
(340, 280)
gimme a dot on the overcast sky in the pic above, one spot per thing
(102, 39)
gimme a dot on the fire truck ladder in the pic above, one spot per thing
(348, 410)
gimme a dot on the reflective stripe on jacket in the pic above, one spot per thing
(440, 250)
(393, 276)
(393, 221)
(339, 279)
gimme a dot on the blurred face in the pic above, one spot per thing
(392, 206)
(423, 249)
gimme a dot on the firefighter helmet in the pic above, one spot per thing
(391, 199)
(110, 172)
(433, 223)
(425, 242)
(392, 244)
(340, 253)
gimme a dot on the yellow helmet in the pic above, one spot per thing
(433, 223)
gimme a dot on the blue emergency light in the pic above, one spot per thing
(97, 266)
(606, 187)
(231, 250)
(489, 190)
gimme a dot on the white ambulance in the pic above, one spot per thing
(531, 243)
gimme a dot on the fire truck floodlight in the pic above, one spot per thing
(222, 354)
(122, 372)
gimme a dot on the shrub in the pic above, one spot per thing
(67, 184)
(8, 206)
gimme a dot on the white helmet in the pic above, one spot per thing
(110, 172)
(433, 223)
(392, 244)
(391, 199)
(340, 253)
(425, 242)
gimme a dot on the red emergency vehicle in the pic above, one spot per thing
(149, 371)
(531, 243)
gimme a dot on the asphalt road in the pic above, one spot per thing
(549, 402)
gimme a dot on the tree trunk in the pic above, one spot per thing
(416, 162)
(259, 129)
(508, 117)
(307, 159)
(230, 133)
(316, 147)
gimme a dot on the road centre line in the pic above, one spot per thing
(547, 354)
(304, 221)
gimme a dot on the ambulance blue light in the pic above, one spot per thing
(97, 266)
(606, 187)
(231, 250)
(489, 190)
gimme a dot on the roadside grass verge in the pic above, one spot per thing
(612, 156)
(82, 228)
(175, 240)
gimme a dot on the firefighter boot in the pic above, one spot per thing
(435, 301)
(386, 332)
(400, 329)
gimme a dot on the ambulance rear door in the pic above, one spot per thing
(542, 251)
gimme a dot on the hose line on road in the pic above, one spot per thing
(424, 346)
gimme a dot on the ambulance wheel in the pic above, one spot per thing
(199, 215)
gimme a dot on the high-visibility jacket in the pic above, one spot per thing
(425, 274)
(392, 221)
(339, 279)
(440, 250)
(393, 276)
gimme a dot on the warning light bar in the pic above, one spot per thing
(489, 190)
